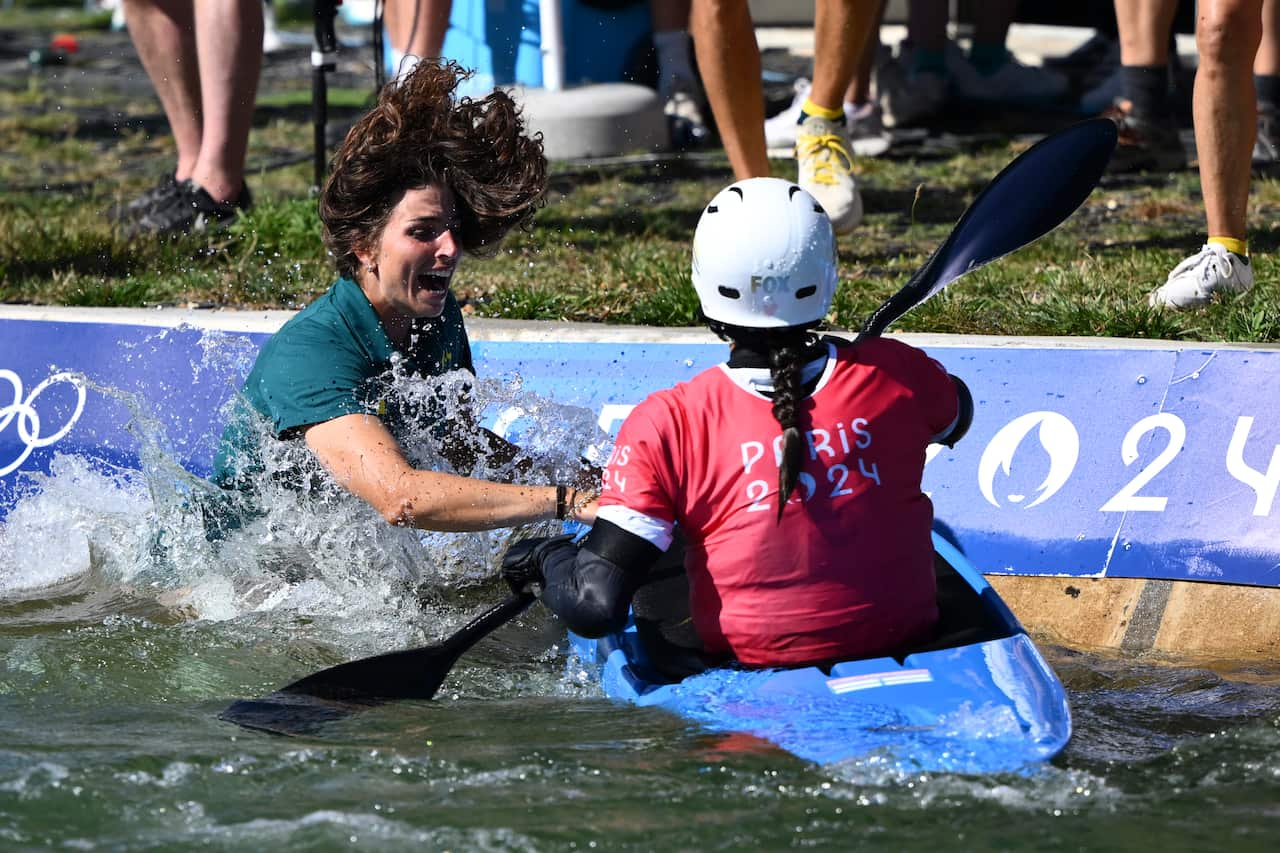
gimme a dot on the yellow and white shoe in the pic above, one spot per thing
(825, 159)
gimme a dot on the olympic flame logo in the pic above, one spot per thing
(1056, 434)
(21, 412)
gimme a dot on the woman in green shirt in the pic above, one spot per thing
(420, 180)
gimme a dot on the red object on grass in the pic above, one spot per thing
(65, 42)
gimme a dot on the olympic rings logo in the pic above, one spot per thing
(23, 414)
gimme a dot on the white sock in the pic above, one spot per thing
(674, 49)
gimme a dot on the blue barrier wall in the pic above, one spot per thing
(1155, 461)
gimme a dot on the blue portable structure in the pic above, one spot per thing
(598, 41)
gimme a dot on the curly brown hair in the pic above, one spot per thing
(419, 134)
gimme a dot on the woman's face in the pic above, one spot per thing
(407, 274)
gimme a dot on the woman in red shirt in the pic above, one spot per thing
(792, 470)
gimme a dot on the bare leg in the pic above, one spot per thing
(1228, 33)
(1144, 27)
(229, 43)
(417, 27)
(163, 33)
(1267, 61)
(859, 91)
(840, 33)
(729, 61)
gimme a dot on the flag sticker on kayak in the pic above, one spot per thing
(850, 683)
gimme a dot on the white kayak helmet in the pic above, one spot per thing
(764, 256)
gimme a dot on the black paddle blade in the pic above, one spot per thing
(1029, 198)
(304, 706)
(285, 714)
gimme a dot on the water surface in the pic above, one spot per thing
(124, 631)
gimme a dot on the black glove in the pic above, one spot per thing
(522, 564)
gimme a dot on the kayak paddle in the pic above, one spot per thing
(1028, 199)
(339, 691)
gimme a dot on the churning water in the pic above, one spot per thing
(124, 631)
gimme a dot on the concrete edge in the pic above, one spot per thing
(546, 331)
(1183, 622)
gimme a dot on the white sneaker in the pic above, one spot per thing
(826, 171)
(1196, 279)
(908, 97)
(780, 130)
(1013, 82)
(864, 125)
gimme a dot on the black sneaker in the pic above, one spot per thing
(167, 188)
(1145, 145)
(1266, 147)
(190, 211)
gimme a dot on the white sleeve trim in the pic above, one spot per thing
(648, 528)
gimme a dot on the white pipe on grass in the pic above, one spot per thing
(551, 30)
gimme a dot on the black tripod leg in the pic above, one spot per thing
(323, 60)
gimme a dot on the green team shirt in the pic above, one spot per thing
(333, 358)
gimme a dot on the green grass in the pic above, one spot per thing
(611, 245)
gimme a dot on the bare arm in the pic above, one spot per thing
(365, 458)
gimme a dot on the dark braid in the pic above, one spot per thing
(786, 356)
(786, 350)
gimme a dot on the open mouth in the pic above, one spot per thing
(434, 282)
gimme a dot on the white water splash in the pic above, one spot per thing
(308, 550)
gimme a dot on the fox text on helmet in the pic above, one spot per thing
(764, 256)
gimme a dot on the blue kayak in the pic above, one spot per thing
(979, 698)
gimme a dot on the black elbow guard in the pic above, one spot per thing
(596, 603)
(964, 414)
(591, 587)
(589, 591)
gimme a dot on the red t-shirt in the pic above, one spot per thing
(848, 571)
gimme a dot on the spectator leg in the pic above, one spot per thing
(163, 33)
(724, 40)
(991, 20)
(840, 31)
(1144, 27)
(417, 27)
(859, 91)
(229, 45)
(927, 25)
(1228, 33)
(1267, 62)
